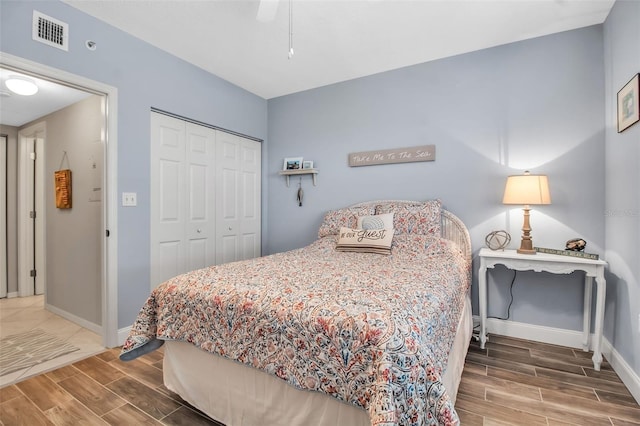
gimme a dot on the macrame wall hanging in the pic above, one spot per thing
(62, 180)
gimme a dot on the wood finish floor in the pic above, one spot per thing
(519, 382)
(511, 382)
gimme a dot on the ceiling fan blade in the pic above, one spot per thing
(267, 10)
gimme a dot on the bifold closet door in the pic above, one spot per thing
(238, 204)
(182, 197)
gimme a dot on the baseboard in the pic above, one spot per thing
(629, 377)
(12, 295)
(123, 333)
(536, 333)
(80, 321)
(569, 338)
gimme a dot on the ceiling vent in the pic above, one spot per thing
(50, 31)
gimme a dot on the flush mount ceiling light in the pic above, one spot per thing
(21, 85)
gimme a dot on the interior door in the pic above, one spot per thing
(31, 212)
(200, 163)
(238, 212)
(250, 190)
(227, 203)
(167, 198)
(182, 197)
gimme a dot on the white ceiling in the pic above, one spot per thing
(16, 110)
(333, 40)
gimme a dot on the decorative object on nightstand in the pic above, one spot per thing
(569, 253)
(576, 244)
(527, 189)
(497, 240)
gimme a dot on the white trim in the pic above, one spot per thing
(22, 231)
(3, 216)
(123, 333)
(110, 207)
(12, 294)
(629, 377)
(536, 333)
(569, 338)
(75, 319)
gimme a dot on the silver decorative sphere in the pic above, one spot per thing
(497, 240)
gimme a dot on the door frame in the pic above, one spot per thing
(109, 281)
(29, 191)
(4, 281)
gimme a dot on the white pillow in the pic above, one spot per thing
(365, 240)
(378, 221)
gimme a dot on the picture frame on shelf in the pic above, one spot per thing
(629, 104)
(307, 164)
(292, 163)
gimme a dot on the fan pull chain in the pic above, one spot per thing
(290, 29)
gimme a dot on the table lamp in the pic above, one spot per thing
(526, 189)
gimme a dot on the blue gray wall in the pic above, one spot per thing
(145, 77)
(534, 105)
(622, 202)
(545, 104)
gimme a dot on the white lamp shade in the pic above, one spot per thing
(527, 189)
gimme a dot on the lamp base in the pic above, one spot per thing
(526, 244)
(526, 251)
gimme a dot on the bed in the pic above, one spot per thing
(328, 334)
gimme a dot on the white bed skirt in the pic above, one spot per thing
(235, 394)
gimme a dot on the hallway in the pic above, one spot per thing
(21, 314)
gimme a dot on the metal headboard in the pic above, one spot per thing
(452, 228)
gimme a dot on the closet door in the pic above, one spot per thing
(200, 190)
(182, 197)
(238, 169)
(167, 198)
(250, 207)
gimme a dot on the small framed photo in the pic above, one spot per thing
(629, 104)
(307, 164)
(292, 163)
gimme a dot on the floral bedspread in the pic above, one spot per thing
(374, 331)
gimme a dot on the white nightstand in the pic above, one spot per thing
(555, 264)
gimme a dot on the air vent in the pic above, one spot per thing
(50, 31)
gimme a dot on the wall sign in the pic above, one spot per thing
(62, 180)
(390, 156)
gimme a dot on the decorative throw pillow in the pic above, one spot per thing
(377, 221)
(365, 240)
(419, 218)
(347, 217)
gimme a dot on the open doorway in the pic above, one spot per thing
(98, 162)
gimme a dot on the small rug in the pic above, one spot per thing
(25, 350)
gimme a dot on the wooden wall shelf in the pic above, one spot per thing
(289, 173)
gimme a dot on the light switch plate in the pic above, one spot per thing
(129, 199)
